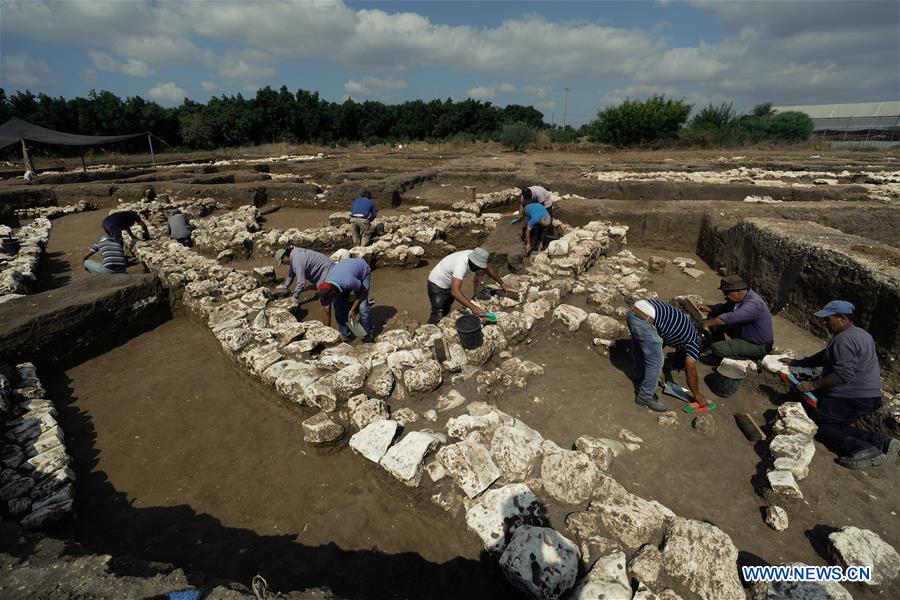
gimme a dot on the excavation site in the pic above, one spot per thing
(199, 424)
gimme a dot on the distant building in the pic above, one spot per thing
(859, 124)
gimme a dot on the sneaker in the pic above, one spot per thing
(651, 403)
(868, 457)
(891, 448)
(368, 338)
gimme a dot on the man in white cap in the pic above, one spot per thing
(849, 389)
(654, 324)
(445, 281)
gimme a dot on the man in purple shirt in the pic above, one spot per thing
(305, 265)
(746, 319)
(350, 278)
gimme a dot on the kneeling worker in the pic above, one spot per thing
(112, 257)
(850, 388)
(535, 193)
(746, 319)
(654, 324)
(349, 277)
(305, 265)
(179, 228)
(446, 278)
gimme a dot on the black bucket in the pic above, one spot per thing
(470, 334)
(726, 381)
(9, 245)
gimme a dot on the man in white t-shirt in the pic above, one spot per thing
(445, 281)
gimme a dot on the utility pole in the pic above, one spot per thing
(566, 107)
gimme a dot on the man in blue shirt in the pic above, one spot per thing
(305, 265)
(362, 213)
(746, 319)
(537, 225)
(350, 278)
(850, 388)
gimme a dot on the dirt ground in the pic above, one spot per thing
(191, 463)
(183, 459)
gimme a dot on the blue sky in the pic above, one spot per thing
(746, 52)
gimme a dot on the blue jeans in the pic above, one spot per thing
(646, 352)
(342, 306)
(96, 268)
(837, 417)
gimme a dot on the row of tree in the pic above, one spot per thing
(270, 116)
(303, 117)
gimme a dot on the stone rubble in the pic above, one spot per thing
(54, 212)
(19, 271)
(777, 518)
(540, 562)
(791, 450)
(855, 546)
(36, 478)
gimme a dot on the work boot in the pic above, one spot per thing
(651, 403)
(891, 448)
(368, 338)
(867, 457)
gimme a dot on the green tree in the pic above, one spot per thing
(635, 122)
(517, 136)
(791, 126)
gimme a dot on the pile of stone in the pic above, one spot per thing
(18, 271)
(478, 203)
(231, 232)
(791, 450)
(36, 480)
(54, 212)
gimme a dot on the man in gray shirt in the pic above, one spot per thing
(306, 265)
(179, 228)
(850, 388)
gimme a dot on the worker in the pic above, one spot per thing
(654, 324)
(28, 159)
(536, 227)
(744, 317)
(446, 278)
(362, 213)
(179, 228)
(849, 389)
(350, 278)
(112, 257)
(118, 222)
(305, 265)
(536, 193)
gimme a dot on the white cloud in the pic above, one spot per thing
(22, 70)
(489, 92)
(356, 88)
(369, 85)
(208, 86)
(167, 92)
(105, 62)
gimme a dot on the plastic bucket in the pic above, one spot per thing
(726, 381)
(469, 329)
(10, 245)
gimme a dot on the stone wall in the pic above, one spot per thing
(798, 266)
(19, 271)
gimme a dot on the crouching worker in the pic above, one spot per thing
(744, 317)
(850, 388)
(179, 228)
(112, 257)
(538, 223)
(347, 287)
(305, 265)
(654, 324)
(446, 278)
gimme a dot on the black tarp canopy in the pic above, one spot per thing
(16, 129)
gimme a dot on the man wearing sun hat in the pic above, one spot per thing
(849, 389)
(445, 281)
(350, 278)
(744, 317)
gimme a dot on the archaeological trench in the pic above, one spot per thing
(185, 427)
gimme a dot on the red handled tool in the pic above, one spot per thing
(790, 379)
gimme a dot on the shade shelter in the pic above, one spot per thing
(18, 131)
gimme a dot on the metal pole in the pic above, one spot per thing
(566, 107)
(152, 156)
(83, 166)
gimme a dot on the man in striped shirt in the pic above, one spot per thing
(654, 324)
(112, 257)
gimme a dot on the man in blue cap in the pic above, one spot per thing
(362, 213)
(850, 388)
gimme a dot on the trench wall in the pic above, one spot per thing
(799, 266)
